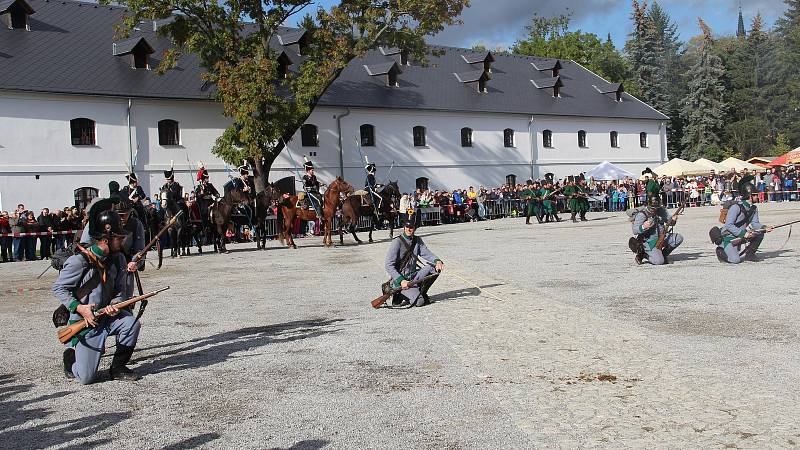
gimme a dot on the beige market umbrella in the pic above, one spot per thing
(739, 165)
(680, 167)
(711, 165)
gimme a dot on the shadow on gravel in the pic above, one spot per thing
(15, 413)
(207, 351)
(193, 442)
(686, 256)
(312, 444)
(461, 293)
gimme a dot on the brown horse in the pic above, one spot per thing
(288, 212)
(332, 194)
(354, 207)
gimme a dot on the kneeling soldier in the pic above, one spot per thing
(401, 263)
(648, 225)
(742, 224)
(93, 280)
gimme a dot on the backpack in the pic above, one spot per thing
(723, 213)
(631, 213)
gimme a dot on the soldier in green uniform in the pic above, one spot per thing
(570, 191)
(528, 196)
(582, 192)
(549, 210)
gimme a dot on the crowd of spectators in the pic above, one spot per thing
(22, 220)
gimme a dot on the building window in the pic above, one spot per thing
(508, 137)
(140, 60)
(511, 180)
(547, 139)
(643, 140)
(309, 135)
(582, 139)
(419, 137)
(422, 184)
(466, 137)
(82, 131)
(168, 133)
(367, 135)
(614, 139)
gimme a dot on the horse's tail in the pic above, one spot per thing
(279, 222)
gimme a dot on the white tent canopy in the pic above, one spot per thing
(738, 164)
(605, 171)
(715, 166)
(680, 167)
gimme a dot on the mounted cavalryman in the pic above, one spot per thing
(312, 186)
(92, 280)
(136, 195)
(742, 224)
(652, 239)
(206, 194)
(409, 260)
(371, 186)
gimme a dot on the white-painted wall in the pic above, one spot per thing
(35, 140)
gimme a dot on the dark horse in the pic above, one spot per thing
(178, 239)
(220, 213)
(354, 207)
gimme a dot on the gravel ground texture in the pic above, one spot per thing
(541, 336)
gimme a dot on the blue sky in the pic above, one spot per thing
(501, 22)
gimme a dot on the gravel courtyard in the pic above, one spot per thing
(541, 336)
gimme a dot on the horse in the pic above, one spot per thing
(353, 208)
(263, 206)
(178, 242)
(331, 204)
(288, 212)
(220, 214)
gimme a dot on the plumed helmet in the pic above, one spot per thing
(131, 177)
(204, 175)
(746, 186)
(370, 168)
(243, 170)
(104, 222)
(308, 165)
(169, 174)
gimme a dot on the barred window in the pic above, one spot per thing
(643, 140)
(466, 137)
(82, 131)
(420, 137)
(309, 135)
(508, 137)
(614, 139)
(168, 132)
(367, 135)
(547, 139)
(582, 139)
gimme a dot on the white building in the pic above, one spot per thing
(76, 107)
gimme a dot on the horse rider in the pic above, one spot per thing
(648, 225)
(371, 186)
(95, 280)
(408, 260)
(136, 195)
(174, 189)
(206, 194)
(311, 185)
(742, 222)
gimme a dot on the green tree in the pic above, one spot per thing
(232, 39)
(704, 108)
(551, 38)
(788, 56)
(781, 146)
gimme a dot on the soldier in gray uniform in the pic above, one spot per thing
(95, 280)
(410, 260)
(648, 224)
(742, 222)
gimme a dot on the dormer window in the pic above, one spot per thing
(477, 79)
(616, 89)
(388, 71)
(283, 65)
(136, 51)
(484, 59)
(400, 56)
(14, 14)
(550, 83)
(553, 68)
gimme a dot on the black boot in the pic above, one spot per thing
(69, 360)
(583, 217)
(721, 256)
(572, 217)
(118, 369)
(558, 219)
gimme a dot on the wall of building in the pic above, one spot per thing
(40, 167)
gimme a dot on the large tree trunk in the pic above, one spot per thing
(261, 168)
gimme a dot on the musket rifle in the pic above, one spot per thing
(68, 332)
(662, 237)
(740, 241)
(378, 302)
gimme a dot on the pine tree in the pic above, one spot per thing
(788, 57)
(704, 107)
(740, 31)
(646, 54)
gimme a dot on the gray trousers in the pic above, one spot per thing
(91, 347)
(414, 294)
(732, 251)
(656, 256)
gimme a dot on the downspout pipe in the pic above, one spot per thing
(341, 145)
(130, 143)
(533, 144)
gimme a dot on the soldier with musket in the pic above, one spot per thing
(530, 196)
(371, 186)
(312, 186)
(410, 260)
(95, 279)
(652, 239)
(742, 225)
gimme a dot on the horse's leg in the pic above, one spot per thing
(371, 228)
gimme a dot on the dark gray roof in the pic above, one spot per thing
(382, 68)
(471, 76)
(68, 51)
(545, 83)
